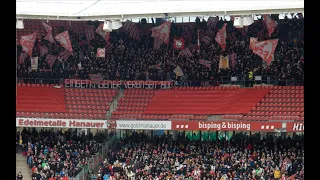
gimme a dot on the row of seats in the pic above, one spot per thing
(285, 91)
(61, 115)
(281, 104)
(283, 100)
(38, 85)
(279, 109)
(140, 100)
(97, 103)
(157, 117)
(97, 107)
(257, 113)
(130, 108)
(279, 87)
(232, 116)
(145, 96)
(89, 98)
(88, 111)
(86, 90)
(205, 88)
(138, 104)
(285, 95)
(268, 118)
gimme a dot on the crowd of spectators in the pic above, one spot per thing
(131, 59)
(242, 158)
(56, 155)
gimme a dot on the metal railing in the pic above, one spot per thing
(95, 160)
(222, 80)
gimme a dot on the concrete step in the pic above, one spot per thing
(22, 166)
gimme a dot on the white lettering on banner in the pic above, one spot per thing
(298, 127)
(146, 125)
(106, 84)
(224, 125)
(64, 123)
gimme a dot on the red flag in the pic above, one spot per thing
(212, 22)
(157, 43)
(205, 63)
(22, 57)
(105, 35)
(101, 52)
(49, 32)
(50, 59)
(206, 39)
(186, 52)
(221, 36)
(65, 55)
(252, 42)
(108, 47)
(233, 59)
(162, 32)
(64, 40)
(43, 51)
(89, 33)
(178, 43)
(265, 49)
(132, 29)
(270, 23)
(27, 43)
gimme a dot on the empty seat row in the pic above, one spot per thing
(87, 102)
(132, 104)
(287, 91)
(142, 100)
(91, 94)
(279, 87)
(130, 108)
(232, 116)
(88, 111)
(147, 96)
(61, 115)
(283, 100)
(267, 118)
(38, 85)
(257, 113)
(108, 99)
(157, 117)
(279, 109)
(86, 90)
(102, 107)
(281, 104)
(206, 88)
(285, 95)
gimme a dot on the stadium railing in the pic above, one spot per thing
(222, 80)
(95, 160)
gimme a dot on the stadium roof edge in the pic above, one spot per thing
(160, 15)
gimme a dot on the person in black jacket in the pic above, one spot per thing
(19, 176)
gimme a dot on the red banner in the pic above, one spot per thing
(106, 84)
(105, 35)
(221, 36)
(27, 43)
(162, 31)
(265, 49)
(270, 23)
(226, 126)
(178, 43)
(295, 127)
(64, 40)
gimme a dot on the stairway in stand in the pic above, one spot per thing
(21, 165)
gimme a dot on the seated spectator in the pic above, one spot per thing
(56, 154)
(165, 158)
